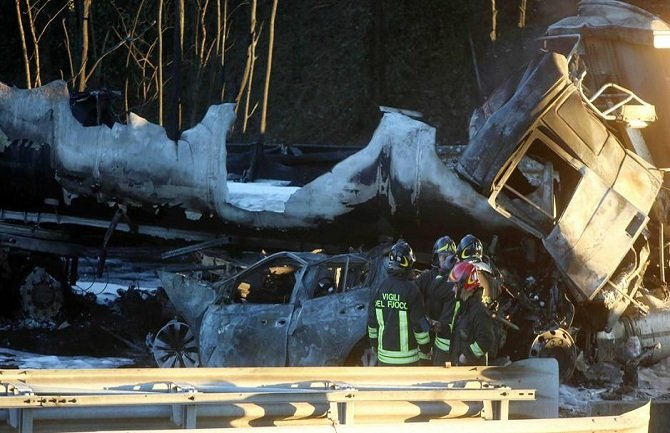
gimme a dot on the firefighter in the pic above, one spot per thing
(439, 292)
(469, 326)
(470, 249)
(444, 247)
(397, 324)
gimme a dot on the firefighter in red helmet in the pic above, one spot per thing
(467, 329)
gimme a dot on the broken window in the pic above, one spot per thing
(271, 283)
(539, 188)
(339, 276)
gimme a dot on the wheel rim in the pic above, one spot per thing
(175, 346)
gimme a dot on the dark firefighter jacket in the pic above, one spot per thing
(473, 333)
(425, 279)
(439, 293)
(397, 324)
(449, 307)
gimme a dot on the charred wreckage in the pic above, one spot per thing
(564, 172)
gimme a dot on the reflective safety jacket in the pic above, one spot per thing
(473, 333)
(397, 324)
(450, 308)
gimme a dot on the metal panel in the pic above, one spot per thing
(593, 250)
(326, 328)
(232, 335)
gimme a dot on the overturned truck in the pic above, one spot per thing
(568, 153)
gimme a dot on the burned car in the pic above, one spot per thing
(288, 309)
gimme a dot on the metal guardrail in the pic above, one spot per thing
(540, 374)
(75, 400)
(636, 421)
(340, 403)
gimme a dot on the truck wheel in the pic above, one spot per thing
(558, 344)
(41, 295)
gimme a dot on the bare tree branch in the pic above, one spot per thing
(266, 89)
(22, 35)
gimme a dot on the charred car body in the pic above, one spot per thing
(289, 309)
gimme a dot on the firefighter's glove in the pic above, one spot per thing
(462, 359)
(424, 358)
(369, 358)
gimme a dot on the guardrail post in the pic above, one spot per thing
(21, 419)
(184, 415)
(345, 412)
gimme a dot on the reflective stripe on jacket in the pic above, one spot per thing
(473, 333)
(397, 323)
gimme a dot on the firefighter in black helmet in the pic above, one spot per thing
(470, 249)
(397, 324)
(444, 249)
(438, 290)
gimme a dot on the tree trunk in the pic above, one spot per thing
(522, 13)
(22, 35)
(222, 37)
(36, 47)
(252, 61)
(266, 89)
(160, 62)
(173, 124)
(494, 21)
(84, 44)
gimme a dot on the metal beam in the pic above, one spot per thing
(635, 421)
(540, 374)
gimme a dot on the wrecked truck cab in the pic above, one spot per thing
(547, 163)
(289, 309)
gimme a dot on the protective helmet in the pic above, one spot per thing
(465, 278)
(401, 257)
(444, 245)
(469, 248)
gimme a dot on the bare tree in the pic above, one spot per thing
(24, 47)
(86, 11)
(36, 46)
(160, 62)
(67, 47)
(494, 21)
(177, 47)
(266, 89)
(248, 77)
(203, 51)
(522, 13)
(222, 30)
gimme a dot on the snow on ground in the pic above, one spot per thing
(25, 360)
(573, 401)
(118, 275)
